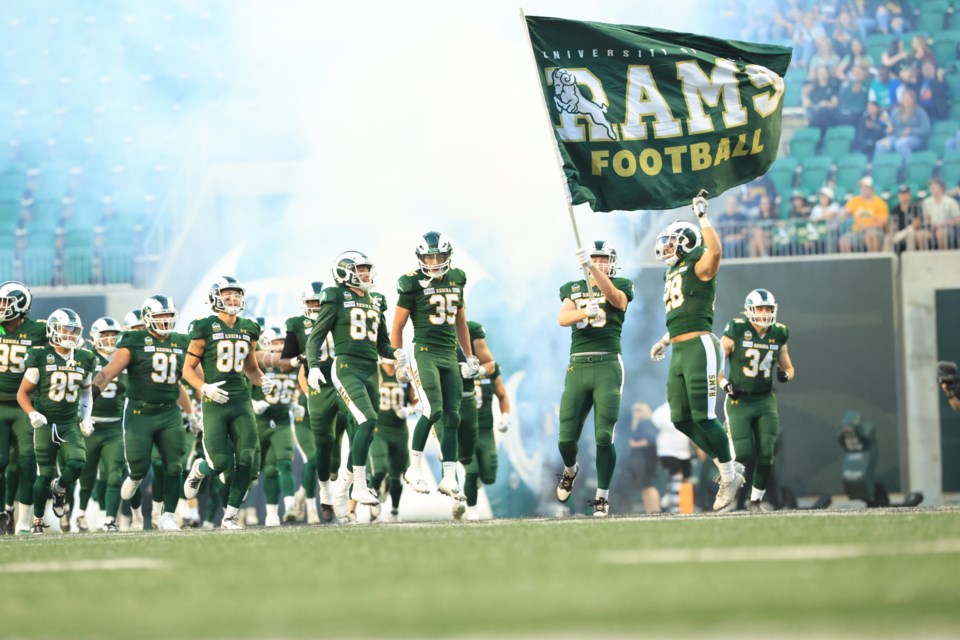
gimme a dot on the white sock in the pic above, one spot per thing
(360, 476)
(449, 470)
(109, 519)
(571, 470)
(288, 504)
(312, 506)
(25, 519)
(727, 470)
(301, 493)
(756, 495)
(168, 513)
(193, 513)
(183, 505)
(230, 512)
(415, 458)
(157, 507)
(603, 493)
(273, 510)
(326, 492)
(81, 512)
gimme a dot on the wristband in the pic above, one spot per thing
(705, 222)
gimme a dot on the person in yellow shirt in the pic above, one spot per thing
(870, 214)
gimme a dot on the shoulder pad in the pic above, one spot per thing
(330, 294)
(407, 283)
(738, 321)
(291, 323)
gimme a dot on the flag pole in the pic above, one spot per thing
(556, 153)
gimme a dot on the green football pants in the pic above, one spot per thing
(437, 381)
(467, 432)
(16, 431)
(104, 451)
(592, 382)
(48, 441)
(754, 419)
(389, 458)
(483, 467)
(322, 409)
(146, 425)
(276, 456)
(230, 433)
(358, 384)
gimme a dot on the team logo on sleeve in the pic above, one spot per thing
(748, 335)
(215, 326)
(148, 341)
(568, 98)
(51, 359)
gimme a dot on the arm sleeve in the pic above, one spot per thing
(32, 374)
(328, 312)
(291, 346)
(86, 399)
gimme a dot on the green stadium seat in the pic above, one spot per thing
(78, 265)
(920, 169)
(932, 22)
(793, 92)
(8, 241)
(803, 144)
(7, 264)
(953, 85)
(950, 169)
(816, 171)
(955, 110)
(10, 212)
(45, 215)
(877, 44)
(907, 39)
(837, 140)
(84, 214)
(79, 239)
(850, 168)
(783, 173)
(39, 265)
(117, 265)
(886, 171)
(940, 132)
(945, 47)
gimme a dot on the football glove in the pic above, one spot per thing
(267, 385)
(404, 412)
(583, 257)
(592, 309)
(700, 206)
(86, 427)
(503, 424)
(299, 412)
(783, 376)
(259, 406)
(659, 350)
(465, 371)
(403, 360)
(315, 378)
(194, 423)
(214, 392)
(473, 367)
(37, 419)
(733, 391)
(403, 374)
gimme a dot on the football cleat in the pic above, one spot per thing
(272, 520)
(449, 487)
(251, 518)
(755, 507)
(168, 522)
(374, 511)
(313, 517)
(110, 526)
(737, 468)
(458, 508)
(350, 518)
(289, 517)
(472, 515)
(601, 508)
(727, 495)
(82, 523)
(194, 478)
(136, 520)
(65, 520)
(37, 528)
(394, 516)
(364, 495)
(207, 525)
(415, 480)
(326, 513)
(129, 487)
(565, 487)
(7, 522)
(231, 524)
(59, 496)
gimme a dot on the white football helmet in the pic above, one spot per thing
(755, 300)
(133, 321)
(677, 240)
(215, 295)
(65, 329)
(104, 333)
(311, 293)
(160, 314)
(15, 300)
(434, 243)
(269, 338)
(602, 249)
(346, 270)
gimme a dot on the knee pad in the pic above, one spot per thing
(488, 477)
(75, 466)
(283, 466)
(221, 461)
(568, 446)
(451, 420)
(435, 416)
(271, 472)
(604, 439)
(246, 457)
(174, 469)
(115, 478)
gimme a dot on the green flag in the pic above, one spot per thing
(645, 118)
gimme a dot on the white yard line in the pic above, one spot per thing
(781, 553)
(119, 564)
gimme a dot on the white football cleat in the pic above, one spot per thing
(601, 508)
(231, 524)
(207, 525)
(272, 520)
(472, 515)
(363, 495)
(136, 520)
(82, 523)
(168, 522)
(449, 487)
(299, 503)
(415, 480)
(727, 495)
(458, 508)
(192, 484)
(340, 495)
(129, 487)
(565, 487)
(374, 511)
(350, 518)
(313, 517)
(394, 516)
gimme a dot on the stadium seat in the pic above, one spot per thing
(877, 44)
(39, 266)
(932, 22)
(950, 170)
(79, 239)
(945, 47)
(793, 88)
(45, 215)
(816, 170)
(10, 211)
(783, 173)
(850, 168)
(837, 140)
(940, 132)
(953, 85)
(803, 144)
(886, 171)
(77, 265)
(117, 265)
(920, 169)
(7, 264)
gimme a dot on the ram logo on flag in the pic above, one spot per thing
(644, 118)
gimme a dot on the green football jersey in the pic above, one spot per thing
(110, 403)
(601, 334)
(156, 365)
(689, 300)
(433, 306)
(303, 326)
(280, 398)
(356, 322)
(57, 395)
(485, 395)
(393, 398)
(224, 353)
(13, 354)
(754, 356)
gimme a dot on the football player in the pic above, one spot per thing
(276, 434)
(483, 467)
(693, 257)
(753, 346)
(390, 452)
(224, 345)
(354, 314)
(432, 297)
(59, 411)
(315, 437)
(595, 311)
(154, 361)
(18, 333)
(105, 445)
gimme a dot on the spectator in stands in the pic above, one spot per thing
(760, 238)
(826, 208)
(824, 57)
(734, 223)
(908, 130)
(906, 79)
(891, 17)
(857, 57)
(906, 231)
(750, 194)
(880, 88)
(942, 213)
(895, 56)
(932, 93)
(852, 101)
(821, 99)
(799, 206)
(785, 21)
(864, 16)
(805, 36)
(871, 129)
(869, 213)
(922, 53)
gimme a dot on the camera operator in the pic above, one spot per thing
(950, 382)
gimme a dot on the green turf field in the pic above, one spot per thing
(822, 573)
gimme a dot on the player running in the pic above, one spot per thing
(595, 374)
(689, 294)
(224, 345)
(18, 333)
(55, 394)
(753, 346)
(389, 451)
(432, 297)
(354, 314)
